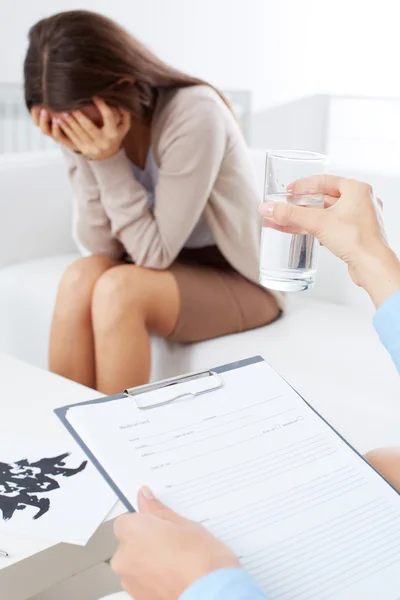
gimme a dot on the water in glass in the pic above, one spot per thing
(288, 261)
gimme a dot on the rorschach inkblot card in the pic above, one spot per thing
(50, 491)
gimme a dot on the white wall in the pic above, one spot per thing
(281, 49)
(209, 38)
(298, 124)
(354, 46)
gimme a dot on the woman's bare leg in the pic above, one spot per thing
(387, 462)
(128, 303)
(71, 339)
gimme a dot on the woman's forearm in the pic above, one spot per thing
(93, 227)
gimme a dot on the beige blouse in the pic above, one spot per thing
(204, 172)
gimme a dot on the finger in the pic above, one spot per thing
(79, 132)
(122, 564)
(288, 215)
(124, 524)
(106, 113)
(269, 224)
(148, 503)
(44, 122)
(69, 132)
(329, 200)
(125, 123)
(118, 560)
(87, 125)
(136, 525)
(59, 136)
(35, 114)
(56, 131)
(332, 185)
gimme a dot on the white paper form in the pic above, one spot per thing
(308, 518)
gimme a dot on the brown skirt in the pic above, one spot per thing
(215, 300)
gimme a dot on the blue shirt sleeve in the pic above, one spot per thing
(224, 584)
(387, 324)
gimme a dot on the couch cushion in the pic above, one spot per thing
(329, 352)
(35, 207)
(27, 294)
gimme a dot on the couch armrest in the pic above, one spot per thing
(35, 207)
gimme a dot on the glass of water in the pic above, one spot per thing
(288, 261)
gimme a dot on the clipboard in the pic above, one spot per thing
(134, 393)
(286, 480)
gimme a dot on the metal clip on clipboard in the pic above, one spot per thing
(144, 389)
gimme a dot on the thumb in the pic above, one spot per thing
(287, 215)
(125, 122)
(149, 504)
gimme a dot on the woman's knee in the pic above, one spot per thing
(79, 279)
(117, 291)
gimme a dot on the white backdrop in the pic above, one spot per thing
(280, 49)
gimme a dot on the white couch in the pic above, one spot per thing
(325, 345)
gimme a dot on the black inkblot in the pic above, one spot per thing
(22, 481)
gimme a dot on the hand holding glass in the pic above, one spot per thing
(288, 261)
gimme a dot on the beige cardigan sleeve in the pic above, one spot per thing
(93, 225)
(190, 149)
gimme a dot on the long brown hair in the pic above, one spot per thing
(76, 55)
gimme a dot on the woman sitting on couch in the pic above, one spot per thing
(165, 198)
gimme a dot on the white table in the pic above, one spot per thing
(27, 398)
